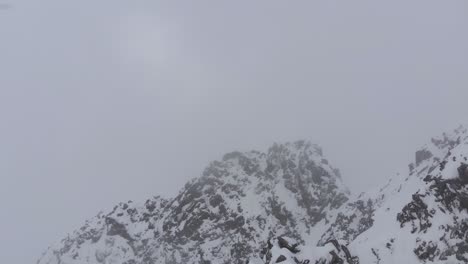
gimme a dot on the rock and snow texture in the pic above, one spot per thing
(417, 217)
(225, 216)
(289, 206)
(286, 251)
(422, 217)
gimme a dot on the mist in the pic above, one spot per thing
(109, 101)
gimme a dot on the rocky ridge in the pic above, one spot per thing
(225, 216)
(289, 205)
(416, 217)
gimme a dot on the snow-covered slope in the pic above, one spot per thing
(423, 217)
(289, 205)
(225, 216)
(417, 217)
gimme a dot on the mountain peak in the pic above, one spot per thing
(238, 203)
(289, 205)
(304, 146)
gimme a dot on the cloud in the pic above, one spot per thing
(144, 41)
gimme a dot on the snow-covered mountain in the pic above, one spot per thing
(225, 216)
(417, 217)
(422, 216)
(289, 205)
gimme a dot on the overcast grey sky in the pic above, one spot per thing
(106, 101)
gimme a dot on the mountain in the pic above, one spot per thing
(225, 216)
(417, 217)
(289, 206)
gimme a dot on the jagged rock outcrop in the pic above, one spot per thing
(225, 216)
(416, 217)
(286, 251)
(419, 217)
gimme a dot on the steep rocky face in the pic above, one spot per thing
(418, 217)
(355, 218)
(116, 237)
(225, 216)
(422, 217)
(444, 198)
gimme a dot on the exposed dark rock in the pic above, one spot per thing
(426, 251)
(463, 173)
(422, 155)
(216, 200)
(416, 212)
(339, 255)
(335, 258)
(376, 254)
(116, 229)
(280, 259)
(341, 229)
(451, 196)
(283, 243)
(442, 165)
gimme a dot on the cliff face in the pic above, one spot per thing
(225, 216)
